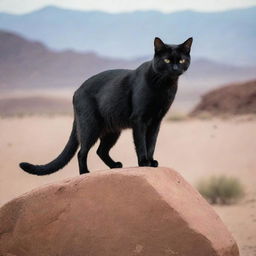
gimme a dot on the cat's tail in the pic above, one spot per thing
(59, 162)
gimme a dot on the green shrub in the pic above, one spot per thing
(221, 189)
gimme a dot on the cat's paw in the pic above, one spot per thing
(117, 165)
(153, 163)
(144, 162)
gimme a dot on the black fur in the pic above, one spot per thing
(117, 99)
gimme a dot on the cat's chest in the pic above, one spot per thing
(156, 104)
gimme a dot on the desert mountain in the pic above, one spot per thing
(227, 36)
(29, 64)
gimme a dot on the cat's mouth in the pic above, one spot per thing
(178, 72)
(175, 73)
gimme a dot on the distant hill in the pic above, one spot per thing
(235, 99)
(27, 64)
(30, 64)
(227, 36)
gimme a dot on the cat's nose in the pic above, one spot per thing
(175, 67)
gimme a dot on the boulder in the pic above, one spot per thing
(122, 212)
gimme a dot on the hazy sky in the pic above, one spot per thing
(23, 6)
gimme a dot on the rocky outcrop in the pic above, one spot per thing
(123, 212)
(236, 99)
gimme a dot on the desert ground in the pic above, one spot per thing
(195, 148)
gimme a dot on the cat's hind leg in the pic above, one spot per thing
(106, 143)
(88, 130)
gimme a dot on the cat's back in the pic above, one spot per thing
(110, 93)
(103, 79)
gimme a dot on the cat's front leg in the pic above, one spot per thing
(151, 138)
(139, 136)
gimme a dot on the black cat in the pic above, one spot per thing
(117, 99)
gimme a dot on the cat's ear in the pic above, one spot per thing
(186, 46)
(159, 44)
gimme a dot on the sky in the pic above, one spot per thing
(24, 6)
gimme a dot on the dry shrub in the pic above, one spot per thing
(221, 189)
(177, 116)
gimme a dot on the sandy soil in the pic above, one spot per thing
(195, 148)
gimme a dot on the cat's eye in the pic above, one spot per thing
(182, 61)
(167, 61)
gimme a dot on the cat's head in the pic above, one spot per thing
(171, 60)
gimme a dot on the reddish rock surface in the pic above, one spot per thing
(123, 212)
(236, 99)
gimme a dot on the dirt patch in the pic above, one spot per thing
(18, 106)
